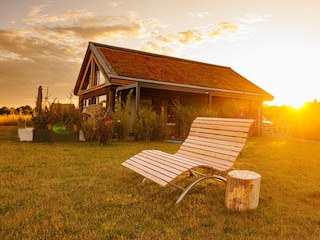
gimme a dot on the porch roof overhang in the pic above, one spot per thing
(145, 83)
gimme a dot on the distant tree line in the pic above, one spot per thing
(23, 110)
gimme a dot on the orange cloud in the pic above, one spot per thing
(113, 3)
(184, 37)
(223, 28)
(193, 36)
(155, 47)
(49, 50)
(189, 36)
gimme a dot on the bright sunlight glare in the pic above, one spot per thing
(293, 99)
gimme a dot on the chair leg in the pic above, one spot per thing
(186, 190)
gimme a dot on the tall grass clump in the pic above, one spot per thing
(105, 127)
(122, 117)
(57, 115)
(185, 116)
(187, 113)
(149, 125)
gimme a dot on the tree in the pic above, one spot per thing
(4, 110)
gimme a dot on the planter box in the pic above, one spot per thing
(71, 137)
(41, 135)
(25, 134)
(45, 135)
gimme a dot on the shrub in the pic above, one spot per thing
(122, 118)
(89, 130)
(208, 112)
(66, 116)
(41, 120)
(160, 128)
(186, 115)
(104, 126)
(99, 127)
(149, 125)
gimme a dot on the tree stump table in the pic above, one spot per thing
(242, 191)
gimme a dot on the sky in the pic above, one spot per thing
(272, 43)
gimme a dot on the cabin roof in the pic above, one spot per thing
(143, 66)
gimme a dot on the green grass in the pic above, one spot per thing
(80, 191)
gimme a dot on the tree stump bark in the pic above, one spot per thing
(242, 191)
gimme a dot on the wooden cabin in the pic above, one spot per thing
(157, 80)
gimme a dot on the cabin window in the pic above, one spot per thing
(102, 80)
(95, 100)
(103, 100)
(99, 78)
(95, 79)
(86, 102)
(86, 82)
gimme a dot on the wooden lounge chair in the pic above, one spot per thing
(213, 143)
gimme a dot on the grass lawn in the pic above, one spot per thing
(80, 191)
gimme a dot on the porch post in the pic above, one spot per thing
(137, 97)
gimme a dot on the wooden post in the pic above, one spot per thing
(242, 191)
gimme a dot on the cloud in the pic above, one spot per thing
(157, 47)
(254, 18)
(113, 4)
(184, 37)
(189, 36)
(36, 10)
(194, 36)
(45, 33)
(86, 26)
(238, 30)
(199, 14)
(48, 51)
(223, 28)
